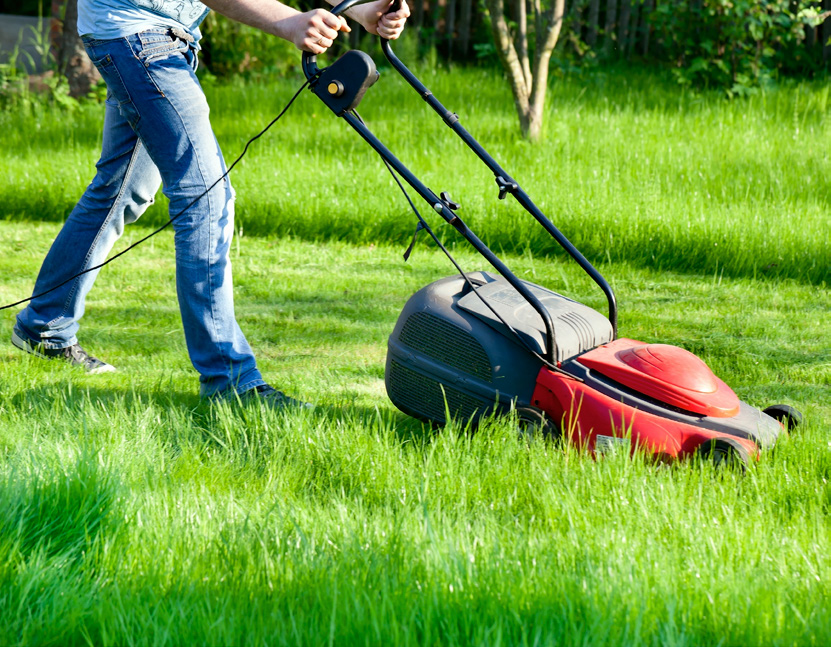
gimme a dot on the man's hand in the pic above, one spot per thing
(314, 31)
(375, 20)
